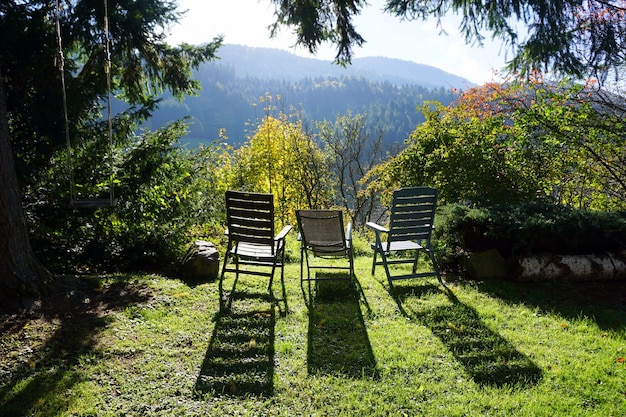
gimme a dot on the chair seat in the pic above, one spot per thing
(399, 246)
(328, 249)
(325, 243)
(251, 250)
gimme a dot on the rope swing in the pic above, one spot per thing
(88, 202)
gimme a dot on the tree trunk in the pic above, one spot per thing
(21, 275)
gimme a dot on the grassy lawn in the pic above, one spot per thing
(155, 346)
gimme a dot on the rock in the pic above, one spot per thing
(591, 267)
(201, 261)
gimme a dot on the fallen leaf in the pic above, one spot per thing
(459, 329)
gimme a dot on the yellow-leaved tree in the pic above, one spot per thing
(283, 159)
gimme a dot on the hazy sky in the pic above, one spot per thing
(245, 22)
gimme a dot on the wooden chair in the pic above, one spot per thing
(251, 239)
(410, 228)
(322, 234)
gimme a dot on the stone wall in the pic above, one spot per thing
(490, 264)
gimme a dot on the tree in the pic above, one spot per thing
(353, 150)
(31, 131)
(584, 126)
(468, 157)
(283, 159)
(519, 142)
(21, 272)
(575, 37)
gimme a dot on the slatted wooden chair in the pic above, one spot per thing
(412, 215)
(251, 239)
(322, 235)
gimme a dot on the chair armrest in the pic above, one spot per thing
(283, 232)
(376, 227)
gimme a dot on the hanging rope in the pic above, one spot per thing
(107, 51)
(90, 203)
(70, 167)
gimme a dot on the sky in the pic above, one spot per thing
(245, 22)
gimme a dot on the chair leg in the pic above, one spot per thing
(302, 263)
(282, 284)
(415, 262)
(308, 266)
(351, 260)
(374, 262)
(282, 267)
(383, 255)
(435, 265)
(269, 285)
(236, 259)
(221, 282)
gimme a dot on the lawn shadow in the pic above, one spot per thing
(240, 358)
(487, 357)
(602, 301)
(63, 331)
(226, 296)
(338, 343)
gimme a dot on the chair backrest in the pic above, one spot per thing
(250, 217)
(322, 230)
(412, 214)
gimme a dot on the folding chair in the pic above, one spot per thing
(410, 228)
(251, 240)
(322, 234)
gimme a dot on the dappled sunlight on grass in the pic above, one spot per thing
(52, 347)
(150, 345)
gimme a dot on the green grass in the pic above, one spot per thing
(153, 346)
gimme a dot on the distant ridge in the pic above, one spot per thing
(389, 93)
(268, 63)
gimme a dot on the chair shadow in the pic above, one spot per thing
(488, 358)
(338, 343)
(280, 302)
(240, 357)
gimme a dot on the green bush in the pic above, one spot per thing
(166, 197)
(526, 229)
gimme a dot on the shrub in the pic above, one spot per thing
(527, 229)
(167, 196)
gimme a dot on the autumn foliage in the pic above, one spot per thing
(520, 141)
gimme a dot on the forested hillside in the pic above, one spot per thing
(229, 93)
(267, 63)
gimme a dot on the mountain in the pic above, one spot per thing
(389, 92)
(267, 63)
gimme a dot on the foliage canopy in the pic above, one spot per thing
(580, 38)
(142, 66)
(519, 142)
